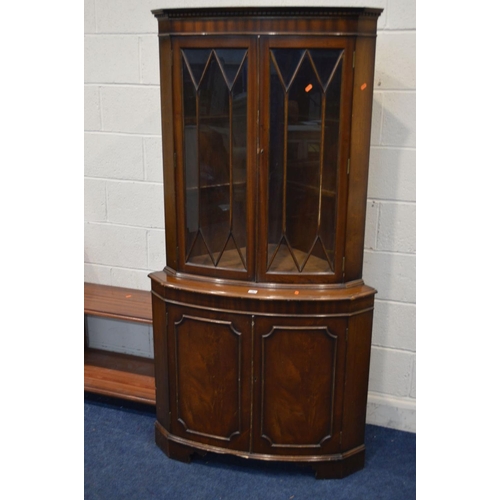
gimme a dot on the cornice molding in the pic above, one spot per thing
(266, 12)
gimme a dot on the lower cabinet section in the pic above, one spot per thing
(267, 378)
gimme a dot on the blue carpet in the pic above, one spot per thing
(122, 461)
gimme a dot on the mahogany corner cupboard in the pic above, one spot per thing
(262, 322)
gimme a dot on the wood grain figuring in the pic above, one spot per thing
(321, 21)
(298, 400)
(298, 369)
(356, 378)
(119, 375)
(119, 303)
(327, 466)
(208, 373)
(360, 153)
(165, 284)
(161, 361)
(169, 160)
(209, 376)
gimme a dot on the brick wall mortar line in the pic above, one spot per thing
(395, 302)
(389, 252)
(125, 181)
(391, 201)
(127, 85)
(111, 132)
(384, 146)
(393, 349)
(129, 226)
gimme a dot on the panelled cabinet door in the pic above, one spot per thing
(209, 370)
(305, 118)
(215, 126)
(298, 394)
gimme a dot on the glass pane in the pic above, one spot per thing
(239, 163)
(287, 61)
(276, 163)
(230, 60)
(324, 62)
(196, 62)
(330, 169)
(190, 157)
(214, 158)
(303, 161)
(215, 121)
(303, 142)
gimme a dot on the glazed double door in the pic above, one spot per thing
(261, 139)
(257, 384)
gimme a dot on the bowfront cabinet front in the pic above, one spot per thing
(262, 322)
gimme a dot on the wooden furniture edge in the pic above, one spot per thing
(117, 302)
(263, 11)
(115, 374)
(262, 292)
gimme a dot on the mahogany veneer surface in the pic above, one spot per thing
(120, 375)
(116, 374)
(261, 320)
(118, 302)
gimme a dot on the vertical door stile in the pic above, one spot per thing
(344, 173)
(231, 163)
(262, 158)
(254, 158)
(178, 149)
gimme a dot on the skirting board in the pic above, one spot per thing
(391, 412)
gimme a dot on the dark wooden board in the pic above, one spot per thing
(120, 375)
(119, 303)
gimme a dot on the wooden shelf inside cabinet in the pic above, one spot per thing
(111, 373)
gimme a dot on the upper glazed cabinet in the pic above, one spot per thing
(266, 142)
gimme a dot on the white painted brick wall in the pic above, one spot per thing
(392, 174)
(92, 109)
(149, 57)
(114, 156)
(124, 238)
(115, 245)
(390, 238)
(130, 109)
(135, 203)
(111, 59)
(153, 159)
(95, 200)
